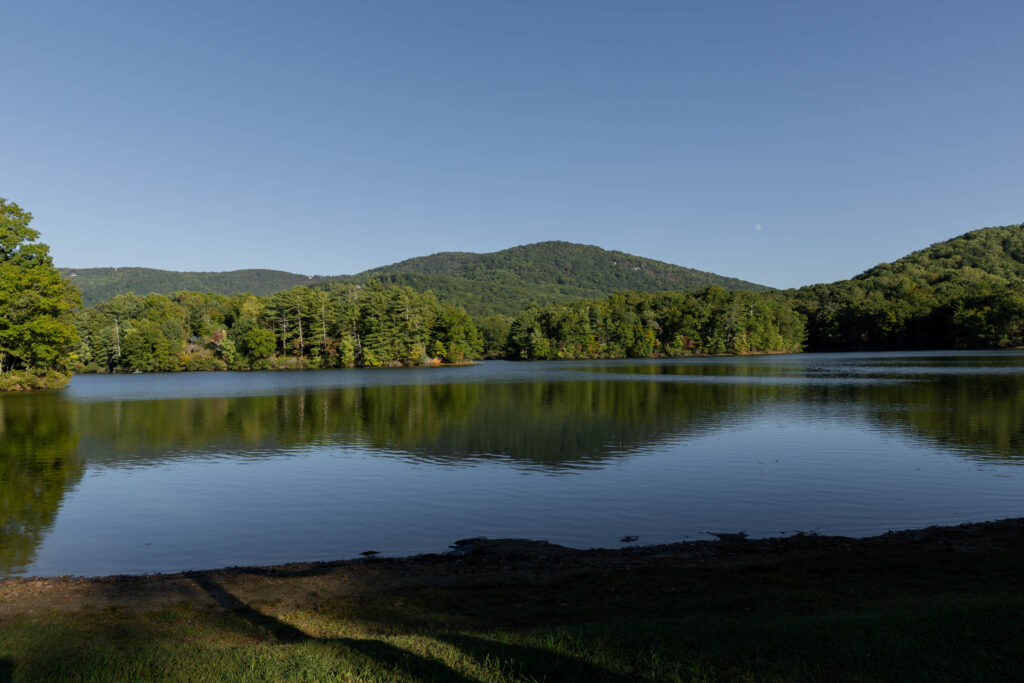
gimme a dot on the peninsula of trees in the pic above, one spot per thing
(342, 325)
(346, 325)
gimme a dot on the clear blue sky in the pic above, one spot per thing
(785, 143)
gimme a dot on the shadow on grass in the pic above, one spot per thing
(6, 669)
(525, 662)
(518, 661)
(284, 633)
(885, 613)
(529, 663)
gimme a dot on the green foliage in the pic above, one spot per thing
(455, 336)
(35, 300)
(506, 282)
(341, 326)
(503, 282)
(38, 463)
(100, 284)
(639, 325)
(257, 344)
(962, 293)
(29, 380)
(494, 331)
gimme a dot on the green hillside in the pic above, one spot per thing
(992, 255)
(965, 292)
(502, 282)
(100, 284)
(505, 282)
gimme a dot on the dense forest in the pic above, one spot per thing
(640, 325)
(964, 293)
(551, 300)
(384, 325)
(505, 282)
(341, 326)
(967, 292)
(100, 284)
(502, 283)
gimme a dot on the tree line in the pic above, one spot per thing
(384, 325)
(711, 321)
(376, 324)
(340, 326)
(967, 292)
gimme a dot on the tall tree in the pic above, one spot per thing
(35, 301)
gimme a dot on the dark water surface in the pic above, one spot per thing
(145, 473)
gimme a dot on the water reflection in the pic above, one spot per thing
(559, 419)
(981, 415)
(39, 463)
(550, 424)
(555, 425)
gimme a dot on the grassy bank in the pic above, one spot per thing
(29, 380)
(937, 604)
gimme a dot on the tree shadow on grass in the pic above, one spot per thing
(518, 661)
(529, 663)
(380, 652)
(6, 669)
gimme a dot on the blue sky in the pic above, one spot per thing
(785, 143)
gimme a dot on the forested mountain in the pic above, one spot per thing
(966, 292)
(995, 255)
(100, 284)
(562, 300)
(502, 282)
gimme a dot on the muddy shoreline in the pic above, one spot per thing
(475, 562)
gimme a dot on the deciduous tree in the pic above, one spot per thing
(35, 301)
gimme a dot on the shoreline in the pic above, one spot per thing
(477, 361)
(21, 381)
(939, 603)
(481, 552)
(53, 384)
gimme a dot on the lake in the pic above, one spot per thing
(168, 472)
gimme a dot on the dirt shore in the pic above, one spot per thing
(471, 562)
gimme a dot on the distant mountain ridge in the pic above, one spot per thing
(506, 281)
(498, 282)
(100, 284)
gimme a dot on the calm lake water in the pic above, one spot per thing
(145, 473)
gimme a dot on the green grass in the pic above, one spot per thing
(882, 614)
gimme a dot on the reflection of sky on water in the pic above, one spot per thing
(165, 472)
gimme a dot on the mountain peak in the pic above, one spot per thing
(497, 282)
